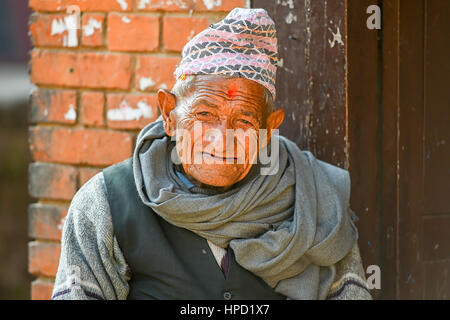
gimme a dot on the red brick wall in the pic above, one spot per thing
(88, 82)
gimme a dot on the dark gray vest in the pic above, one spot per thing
(168, 262)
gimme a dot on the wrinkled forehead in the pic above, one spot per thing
(228, 88)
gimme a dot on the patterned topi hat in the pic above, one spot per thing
(244, 45)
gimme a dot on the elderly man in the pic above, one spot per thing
(214, 204)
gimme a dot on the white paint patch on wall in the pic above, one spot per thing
(289, 70)
(146, 110)
(126, 19)
(127, 113)
(191, 35)
(71, 114)
(289, 3)
(69, 24)
(123, 4)
(182, 4)
(61, 224)
(290, 18)
(143, 4)
(209, 4)
(58, 26)
(72, 27)
(337, 38)
(144, 83)
(89, 29)
(280, 62)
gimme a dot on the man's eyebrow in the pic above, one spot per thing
(250, 114)
(205, 102)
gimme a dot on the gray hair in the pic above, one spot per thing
(182, 87)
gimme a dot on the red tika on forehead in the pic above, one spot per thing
(232, 90)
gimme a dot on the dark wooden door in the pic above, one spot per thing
(424, 150)
(415, 154)
(399, 115)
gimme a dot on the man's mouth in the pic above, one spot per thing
(220, 157)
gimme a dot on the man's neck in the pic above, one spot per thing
(199, 184)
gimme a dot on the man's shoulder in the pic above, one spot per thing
(123, 167)
(118, 176)
(91, 200)
(95, 190)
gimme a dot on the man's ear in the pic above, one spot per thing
(167, 103)
(274, 120)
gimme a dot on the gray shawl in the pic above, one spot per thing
(289, 228)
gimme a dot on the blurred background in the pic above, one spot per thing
(15, 89)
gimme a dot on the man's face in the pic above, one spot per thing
(217, 128)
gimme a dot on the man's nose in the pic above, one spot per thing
(221, 137)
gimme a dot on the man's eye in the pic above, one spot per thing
(245, 122)
(204, 116)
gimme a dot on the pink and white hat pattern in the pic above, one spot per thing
(243, 44)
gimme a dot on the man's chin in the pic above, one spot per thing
(215, 175)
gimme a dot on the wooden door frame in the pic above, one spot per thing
(389, 179)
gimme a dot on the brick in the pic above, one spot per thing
(86, 174)
(52, 181)
(164, 5)
(218, 5)
(43, 258)
(92, 25)
(49, 105)
(131, 111)
(79, 146)
(84, 5)
(82, 69)
(46, 221)
(41, 289)
(154, 72)
(92, 106)
(177, 31)
(133, 32)
(54, 30)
